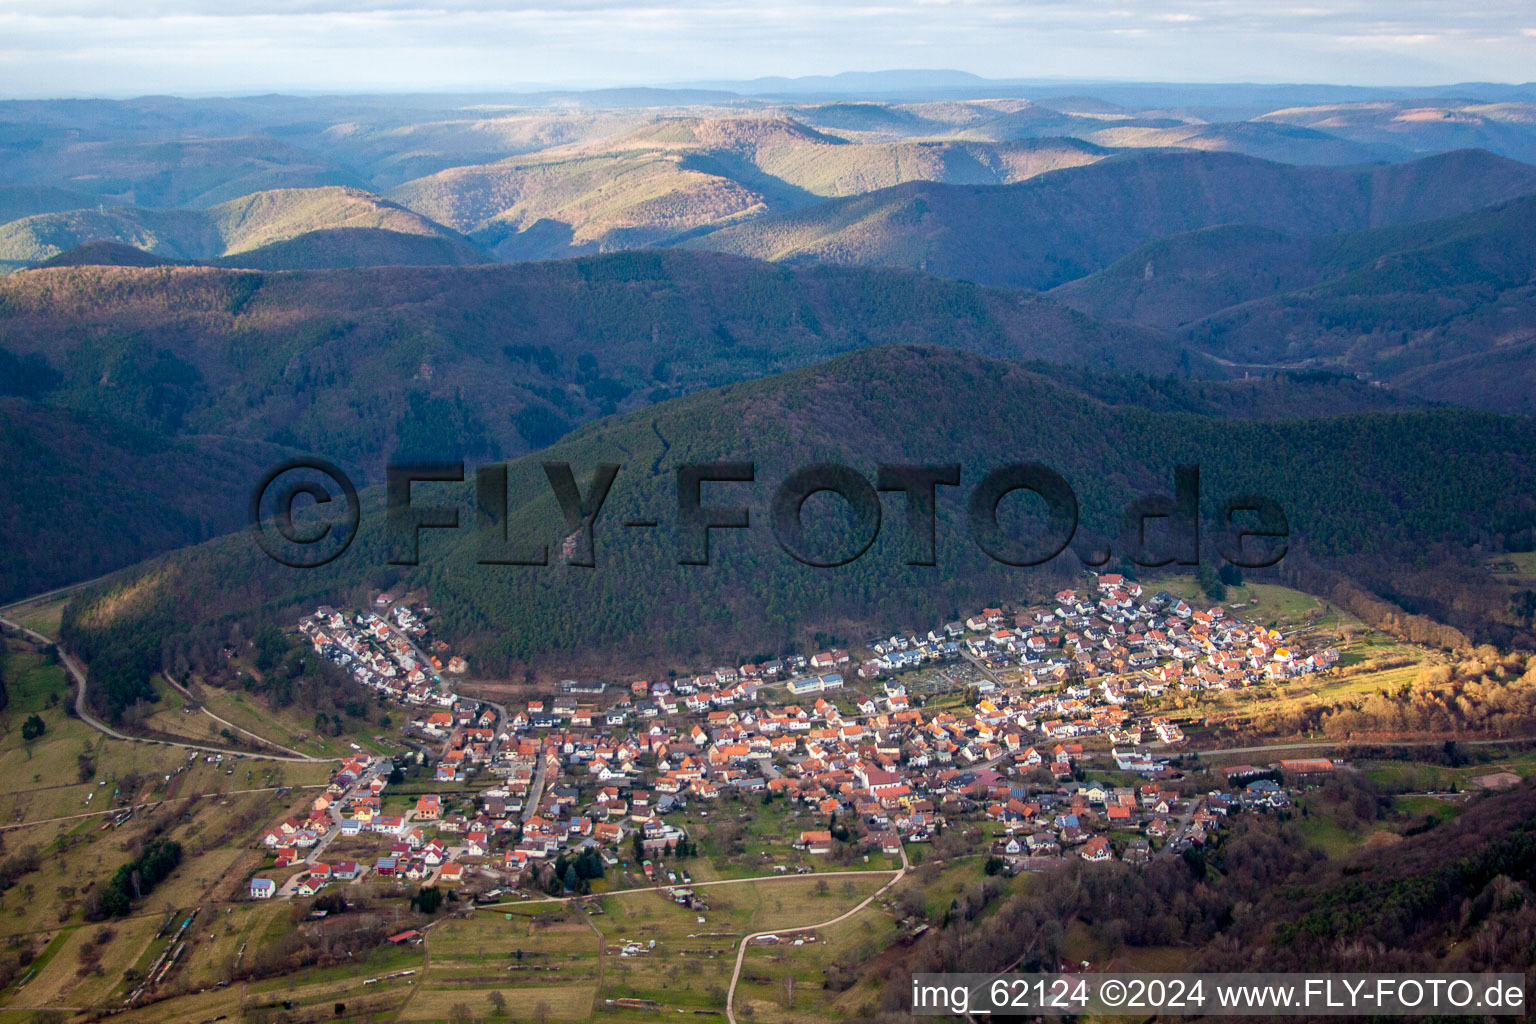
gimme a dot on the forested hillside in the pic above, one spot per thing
(1379, 487)
(1058, 227)
(1383, 908)
(363, 364)
(91, 493)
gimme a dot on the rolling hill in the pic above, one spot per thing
(18, 201)
(499, 359)
(496, 361)
(1058, 227)
(1182, 278)
(390, 151)
(1283, 143)
(679, 175)
(1444, 310)
(341, 248)
(106, 254)
(549, 208)
(1423, 126)
(1116, 128)
(244, 225)
(91, 493)
(1376, 486)
(552, 175)
(165, 172)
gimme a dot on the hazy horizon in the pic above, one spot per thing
(75, 48)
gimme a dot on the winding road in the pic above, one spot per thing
(741, 953)
(231, 725)
(83, 712)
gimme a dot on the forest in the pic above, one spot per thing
(1468, 474)
(1264, 899)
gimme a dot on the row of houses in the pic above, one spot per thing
(616, 761)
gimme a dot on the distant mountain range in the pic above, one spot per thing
(1147, 269)
(795, 169)
(952, 83)
(676, 177)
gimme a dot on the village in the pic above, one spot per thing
(1044, 740)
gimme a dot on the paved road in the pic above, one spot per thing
(980, 666)
(49, 595)
(1180, 829)
(334, 810)
(78, 674)
(536, 791)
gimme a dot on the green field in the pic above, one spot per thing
(41, 617)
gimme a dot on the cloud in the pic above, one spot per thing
(59, 47)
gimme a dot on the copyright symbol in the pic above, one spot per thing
(1112, 992)
(318, 539)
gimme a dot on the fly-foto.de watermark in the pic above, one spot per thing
(1219, 995)
(305, 513)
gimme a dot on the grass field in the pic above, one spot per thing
(1279, 607)
(641, 946)
(855, 940)
(534, 954)
(1516, 568)
(86, 970)
(82, 964)
(1276, 703)
(288, 726)
(544, 1002)
(43, 617)
(745, 838)
(46, 778)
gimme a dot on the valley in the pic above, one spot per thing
(1260, 695)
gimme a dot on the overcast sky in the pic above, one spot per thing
(131, 47)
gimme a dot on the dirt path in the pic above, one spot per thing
(72, 667)
(150, 803)
(741, 953)
(699, 885)
(231, 725)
